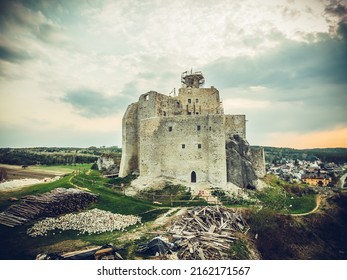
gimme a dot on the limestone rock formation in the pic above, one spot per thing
(240, 170)
(108, 163)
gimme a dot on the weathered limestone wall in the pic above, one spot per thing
(149, 105)
(235, 124)
(217, 156)
(177, 146)
(202, 101)
(149, 159)
(129, 161)
(258, 161)
(170, 106)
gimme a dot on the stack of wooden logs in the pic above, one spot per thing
(56, 202)
(206, 233)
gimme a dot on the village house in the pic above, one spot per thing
(316, 179)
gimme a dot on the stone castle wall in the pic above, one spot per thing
(176, 146)
(200, 101)
(181, 137)
(235, 124)
(130, 139)
(258, 161)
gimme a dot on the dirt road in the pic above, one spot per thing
(318, 203)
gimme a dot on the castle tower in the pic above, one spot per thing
(182, 137)
(192, 80)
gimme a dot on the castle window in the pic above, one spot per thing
(170, 128)
(196, 100)
(189, 101)
(189, 113)
(183, 146)
(193, 177)
(210, 128)
(198, 127)
(164, 113)
(199, 146)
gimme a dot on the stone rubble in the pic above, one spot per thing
(91, 222)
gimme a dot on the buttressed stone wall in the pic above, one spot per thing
(186, 137)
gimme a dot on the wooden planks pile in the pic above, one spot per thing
(205, 233)
(56, 202)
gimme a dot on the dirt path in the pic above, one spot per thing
(151, 227)
(76, 186)
(314, 210)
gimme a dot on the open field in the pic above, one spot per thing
(65, 169)
(41, 171)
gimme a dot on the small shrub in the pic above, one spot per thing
(239, 250)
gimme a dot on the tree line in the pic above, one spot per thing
(277, 155)
(53, 156)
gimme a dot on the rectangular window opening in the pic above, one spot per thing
(183, 146)
(199, 146)
(189, 101)
(196, 100)
(198, 127)
(170, 128)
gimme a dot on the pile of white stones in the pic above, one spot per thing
(92, 222)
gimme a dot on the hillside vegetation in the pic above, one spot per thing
(53, 155)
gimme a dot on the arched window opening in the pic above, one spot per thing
(193, 177)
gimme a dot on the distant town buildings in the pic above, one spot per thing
(314, 173)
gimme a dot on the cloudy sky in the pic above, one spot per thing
(69, 69)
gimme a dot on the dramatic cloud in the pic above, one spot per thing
(290, 65)
(69, 69)
(94, 104)
(336, 8)
(298, 87)
(12, 55)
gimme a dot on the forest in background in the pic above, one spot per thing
(278, 155)
(54, 155)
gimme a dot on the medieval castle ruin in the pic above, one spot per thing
(188, 137)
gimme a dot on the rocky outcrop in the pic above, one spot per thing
(240, 170)
(108, 164)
